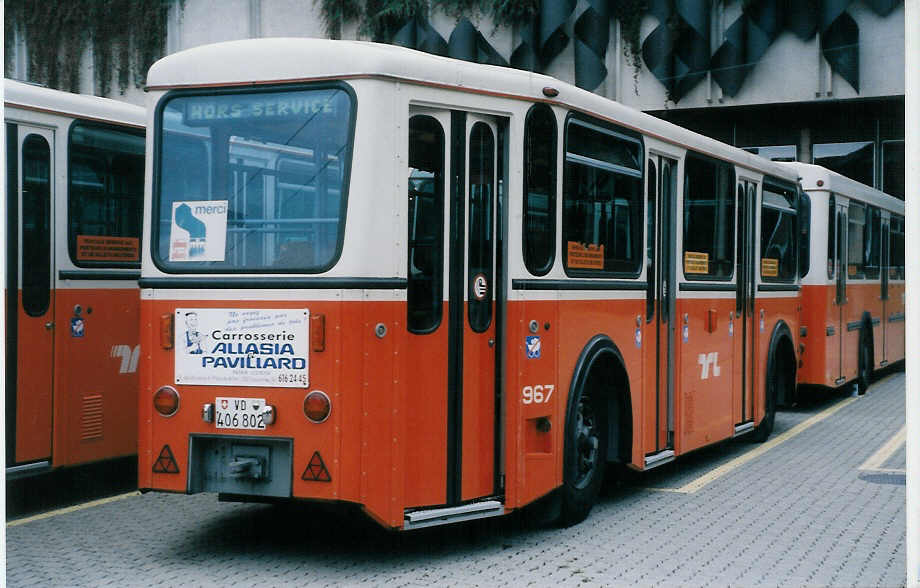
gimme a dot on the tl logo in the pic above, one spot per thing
(709, 359)
(128, 357)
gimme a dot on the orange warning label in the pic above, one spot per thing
(769, 267)
(696, 262)
(585, 256)
(91, 248)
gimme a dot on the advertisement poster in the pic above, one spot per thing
(242, 347)
(198, 231)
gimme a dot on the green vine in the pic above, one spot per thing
(383, 18)
(336, 13)
(126, 37)
(629, 13)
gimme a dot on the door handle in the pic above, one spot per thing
(491, 342)
(49, 325)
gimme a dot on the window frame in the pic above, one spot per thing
(733, 190)
(71, 237)
(780, 186)
(171, 268)
(553, 197)
(435, 320)
(623, 134)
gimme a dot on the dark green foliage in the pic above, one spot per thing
(125, 35)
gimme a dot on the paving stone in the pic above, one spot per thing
(800, 514)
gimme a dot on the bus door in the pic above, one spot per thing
(457, 352)
(663, 280)
(838, 318)
(883, 274)
(30, 299)
(743, 322)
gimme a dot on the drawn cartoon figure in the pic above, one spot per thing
(192, 336)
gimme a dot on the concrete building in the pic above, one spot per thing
(812, 81)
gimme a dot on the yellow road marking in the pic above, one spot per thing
(713, 475)
(75, 508)
(878, 459)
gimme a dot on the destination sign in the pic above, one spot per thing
(268, 106)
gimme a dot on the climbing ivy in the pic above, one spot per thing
(126, 37)
(629, 13)
(336, 13)
(382, 18)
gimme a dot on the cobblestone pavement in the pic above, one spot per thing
(802, 512)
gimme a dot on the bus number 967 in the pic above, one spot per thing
(537, 394)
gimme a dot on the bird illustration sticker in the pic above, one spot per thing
(198, 231)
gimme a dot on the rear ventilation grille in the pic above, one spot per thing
(92, 417)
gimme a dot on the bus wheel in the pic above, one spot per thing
(585, 456)
(776, 382)
(865, 364)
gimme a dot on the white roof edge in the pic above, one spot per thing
(832, 181)
(30, 96)
(267, 60)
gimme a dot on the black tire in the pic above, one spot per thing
(777, 380)
(585, 455)
(864, 375)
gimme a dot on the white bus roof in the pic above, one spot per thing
(279, 60)
(815, 178)
(37, 98)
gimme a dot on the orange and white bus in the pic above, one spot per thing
(75, 186)
(853, 285)
(442, 290)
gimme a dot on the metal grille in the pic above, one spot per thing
(91, 419)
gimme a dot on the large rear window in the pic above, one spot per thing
(252, 182)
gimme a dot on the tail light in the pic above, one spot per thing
(317, 406)
(166, 401)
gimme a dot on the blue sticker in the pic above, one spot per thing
(533, 347)
(731, 328)
(76, 327)
(638, 338)
(686, 333)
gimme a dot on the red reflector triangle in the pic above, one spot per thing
(166, 463)
(316, 470)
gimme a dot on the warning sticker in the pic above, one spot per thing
(696, 262)
(769, 267)
(91, 248)
(585, 256)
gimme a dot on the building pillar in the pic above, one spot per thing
(804, 150)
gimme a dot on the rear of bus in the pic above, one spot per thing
(269, 303)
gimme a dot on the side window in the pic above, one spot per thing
(539, 235)
(36, 225)
(856, 245)
(872, 240)
(482, 194)
(709, 219)
(778, 233)
(106, 195)
(804, 234)
(896, 244)
(602, 204)
(426, 224)
(831, 239)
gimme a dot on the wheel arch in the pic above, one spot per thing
(781, 343)
(601, 355)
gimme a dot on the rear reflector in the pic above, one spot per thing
(317, 406)
(165, 463)
(166, 401)
(316, 470)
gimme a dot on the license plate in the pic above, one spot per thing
(239, 413)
